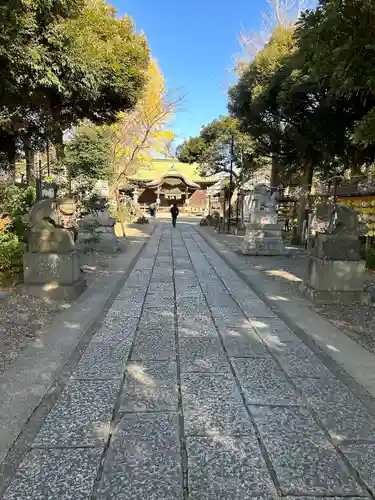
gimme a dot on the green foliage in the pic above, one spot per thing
(124, 214)
(65, 61)
(343, 32)
(300, 99)
(191, 150)
(368, 255)
(11, 253)
(338, 42)
(364, 133)
(218, 143)
(106, 65)
(16, 201)
(248, 98)
(88, 153)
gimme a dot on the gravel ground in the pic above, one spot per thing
(24, 318)
(357, 321)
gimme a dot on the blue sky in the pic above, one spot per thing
(194, 42)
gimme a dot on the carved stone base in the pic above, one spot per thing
(336, 281)
(57, 276)
(263, 240)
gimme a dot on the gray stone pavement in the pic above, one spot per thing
(193, 389)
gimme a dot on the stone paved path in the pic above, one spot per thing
(193, 389)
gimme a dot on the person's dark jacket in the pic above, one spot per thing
(174, 211)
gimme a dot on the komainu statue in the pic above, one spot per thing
(336, 273)
(261, 200)
(263, 232)
(97, 230)
(51, 226)
(337, 219)
(51, 262)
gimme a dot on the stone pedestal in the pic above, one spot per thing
(263, 236)
(54, 275)
(326, 246)
(335, 273)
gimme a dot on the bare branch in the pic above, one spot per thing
(281, 12)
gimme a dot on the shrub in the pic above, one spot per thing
(142, 220)
(124, 214)
(11, 253)
(16, 201)
(368, 254)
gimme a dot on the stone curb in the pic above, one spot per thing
(341, 353)
(27, 381)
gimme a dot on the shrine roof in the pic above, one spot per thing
(173, 177)
(158, 168)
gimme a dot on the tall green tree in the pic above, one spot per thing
(88, 153)
(107, 68)
(246, 97)
(296, 113)
(338, 40)
(219, 143)
(191, 150)
(315, 125)
(65, 61)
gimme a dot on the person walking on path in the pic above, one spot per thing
(174, 212)
(153, 210)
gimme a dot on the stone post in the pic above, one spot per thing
(135, 195)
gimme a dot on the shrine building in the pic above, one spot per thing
(167, 181)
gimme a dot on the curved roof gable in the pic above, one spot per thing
(158, 167)
(173, 175)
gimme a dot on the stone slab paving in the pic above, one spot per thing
(192, 389)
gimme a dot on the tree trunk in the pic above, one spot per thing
(355, 173)
(12, 163)
(119, 211)
(305, 193)
(275, 177)
(60, 157)
(59, 146)
(30, 162)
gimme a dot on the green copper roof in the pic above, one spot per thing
(160, 167)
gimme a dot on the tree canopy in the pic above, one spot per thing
(116, 151)
(308, 94)
(307, 98)
(249, 99)
(88, 153)
(65, 61)
(338, 41)
(219, 143)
